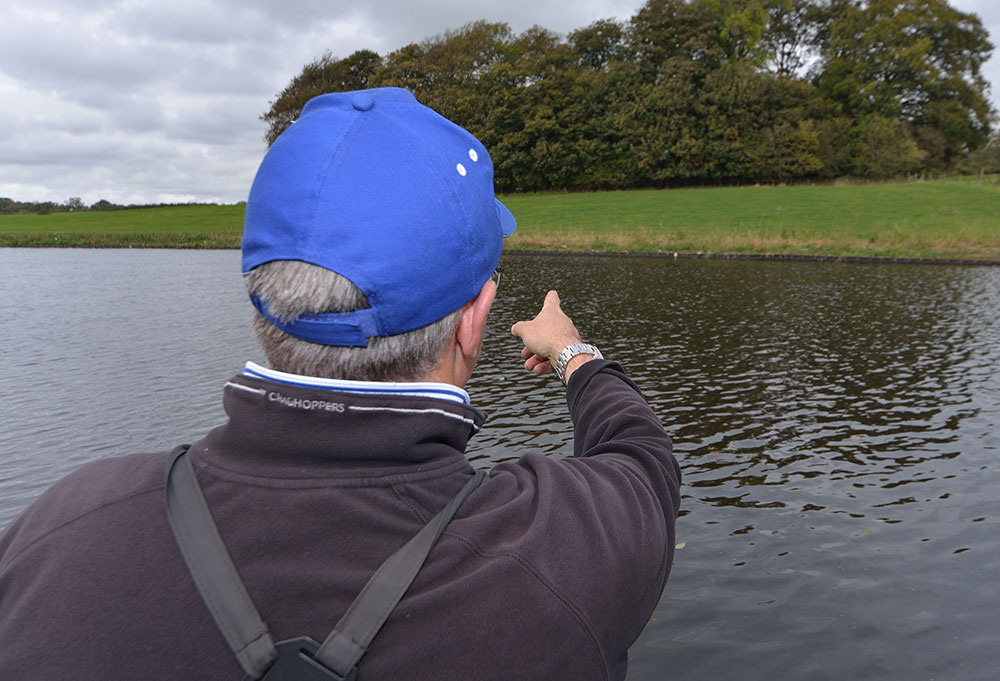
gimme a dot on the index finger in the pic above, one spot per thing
(551, 298)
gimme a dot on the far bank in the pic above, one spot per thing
(931, 220)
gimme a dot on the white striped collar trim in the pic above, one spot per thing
(441, 391)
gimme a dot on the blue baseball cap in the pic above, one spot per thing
(386, 192)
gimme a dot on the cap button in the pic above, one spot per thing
(363, 101)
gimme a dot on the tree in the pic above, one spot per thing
(598, 44)
(661, 132)
(986, 159)
(740, 26)
(75, 203)
(836, 146)
(692, 91)
(456, 58)
(665, 30)
(791, 38)
(884, 149)
(918, 61)
(543, 115)
(326, 74)
(446, 72)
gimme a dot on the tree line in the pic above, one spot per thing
(699, 91)
(72, 204)
(75, 204)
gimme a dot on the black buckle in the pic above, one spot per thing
(296, 661)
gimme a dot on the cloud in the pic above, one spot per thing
(193, 24)
(147, 101)
(69, 61)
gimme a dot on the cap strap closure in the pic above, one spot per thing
(328, 328)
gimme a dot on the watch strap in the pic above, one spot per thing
(571, 351)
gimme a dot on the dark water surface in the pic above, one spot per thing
(837, 426)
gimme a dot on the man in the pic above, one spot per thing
(371, 236)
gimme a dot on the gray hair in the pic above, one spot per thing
(292, 288)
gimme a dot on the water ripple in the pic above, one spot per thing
(837, 426)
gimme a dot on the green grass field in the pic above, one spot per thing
(923, 219)
(935, 219)
(202, 226)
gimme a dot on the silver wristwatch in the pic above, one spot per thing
(571, 351)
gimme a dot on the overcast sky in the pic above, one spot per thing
(148, 101)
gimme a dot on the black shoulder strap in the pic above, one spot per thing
(349, 640)
(221, 588)
(212, 569)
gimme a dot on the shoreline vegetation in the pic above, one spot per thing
(699, 92)
(934, 221)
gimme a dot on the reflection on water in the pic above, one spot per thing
(837, 428)
(836, 424)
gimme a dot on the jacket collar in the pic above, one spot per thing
(287, 431)
(416, 389)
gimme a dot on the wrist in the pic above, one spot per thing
(572, 356)
(574, 364)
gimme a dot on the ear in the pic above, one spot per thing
(472, 325)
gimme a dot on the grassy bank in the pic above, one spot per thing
(945, 219)
(936, 219)
(159, 227)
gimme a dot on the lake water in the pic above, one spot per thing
(837, 426)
